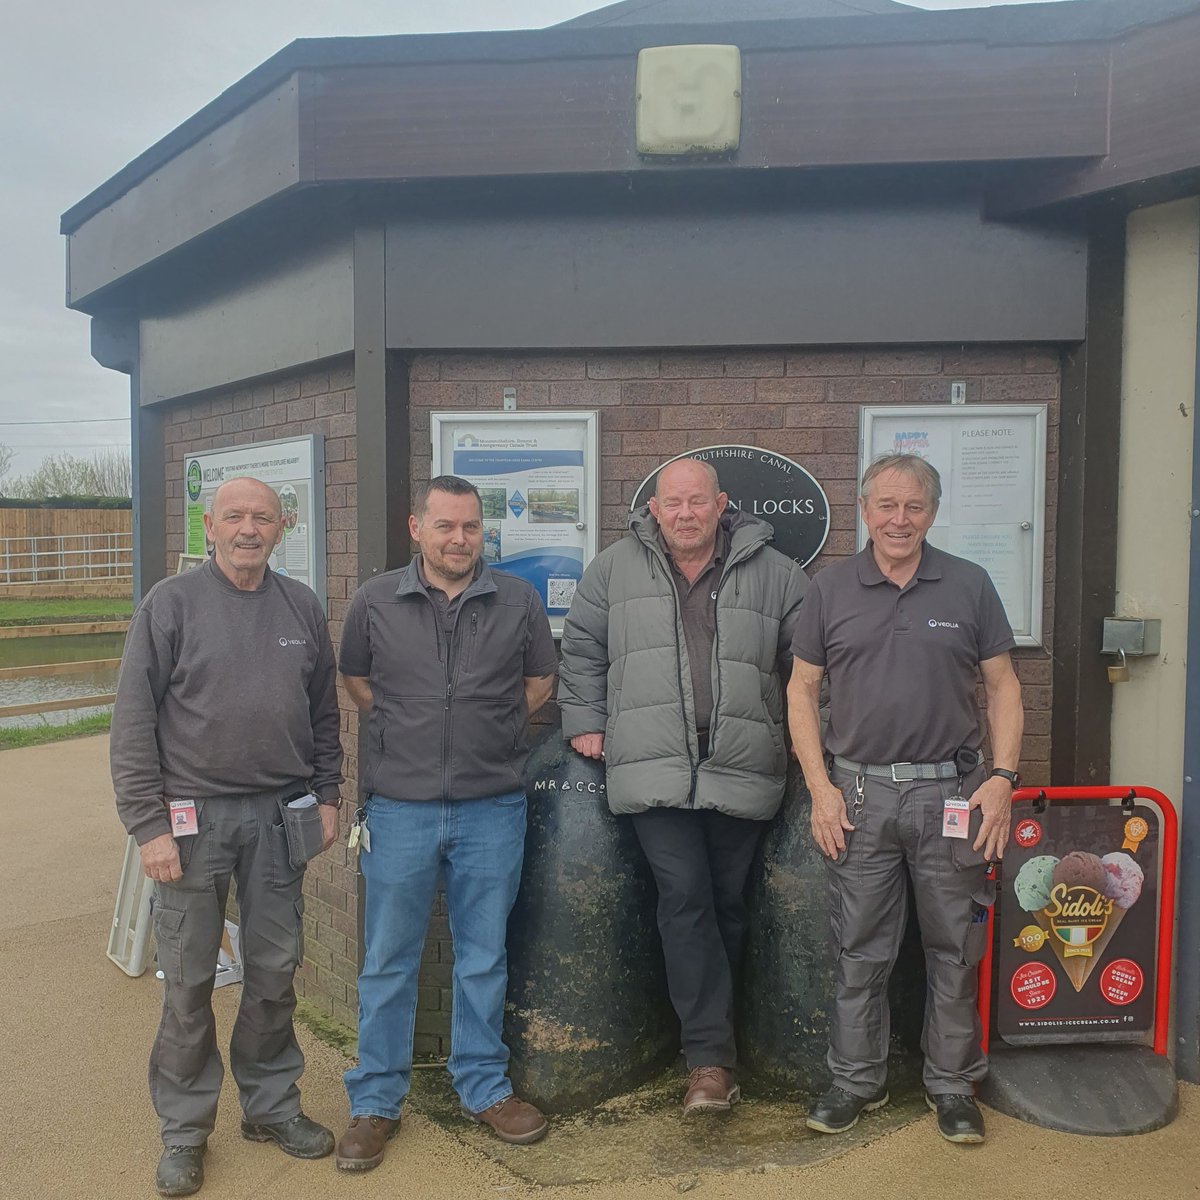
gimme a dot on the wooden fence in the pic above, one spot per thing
(73, 549)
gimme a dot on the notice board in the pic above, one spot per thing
(992, 461)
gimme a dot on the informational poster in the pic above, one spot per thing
(1078, 916)
(992, 462)
(295, 468)
(538, 477)
(764, 484)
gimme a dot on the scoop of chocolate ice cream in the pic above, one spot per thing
(1080, 869)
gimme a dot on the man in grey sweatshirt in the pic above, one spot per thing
(226, 712)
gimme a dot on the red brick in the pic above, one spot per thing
(754, 365)
(1004, 388)
(623, 366)
(425, 367)
(584, 393)
(624, 418)
(442, 395)
(721, 391)
(902, 362)
(936, 389)
(316, 384)
(550, 367)
(839, 441)
(982, 360)
(285, 390)
(864, 391)
(692, 366)
(825, 362)
(529, 395)
(328, 406)
(693, 416)
(792, 390)
(666, 394)
(820, 416)
(471, 366)
(754, 416)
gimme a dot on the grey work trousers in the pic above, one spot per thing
(899, 825)
(242, 838)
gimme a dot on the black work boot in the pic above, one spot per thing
(297, 1136)
(958, 1118)
(180, 1170)
(838, 1110)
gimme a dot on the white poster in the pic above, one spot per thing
(295, 468)
(992, 462)
(537, 477)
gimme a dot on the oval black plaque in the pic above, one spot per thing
(767, 485)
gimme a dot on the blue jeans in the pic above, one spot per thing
(478, 845)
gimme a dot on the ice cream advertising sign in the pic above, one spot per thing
(1077, 924)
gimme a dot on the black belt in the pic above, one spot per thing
(905, 772)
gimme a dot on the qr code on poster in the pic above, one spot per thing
(560, 593)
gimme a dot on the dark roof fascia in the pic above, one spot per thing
(627, 12)
(1025, 24)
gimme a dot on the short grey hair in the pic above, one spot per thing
(913, 465)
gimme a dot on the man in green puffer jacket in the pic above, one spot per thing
(671, 672)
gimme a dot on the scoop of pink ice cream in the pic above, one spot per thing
(1080, 869)
(1123, 879)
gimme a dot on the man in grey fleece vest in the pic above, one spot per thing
(226, 710)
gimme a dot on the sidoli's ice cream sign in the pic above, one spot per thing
(1062, 914)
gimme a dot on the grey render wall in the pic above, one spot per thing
(922, 271)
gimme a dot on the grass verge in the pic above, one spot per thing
(15, 739)
(49, 612)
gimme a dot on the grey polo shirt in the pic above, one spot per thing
(902, 662)
(698, 610)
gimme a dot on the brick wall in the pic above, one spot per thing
(318, 400)
(801, 403)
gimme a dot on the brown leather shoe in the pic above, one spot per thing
(361, 1147)
(711, 1089)
(512, 1120)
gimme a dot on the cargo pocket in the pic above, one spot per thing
(168, 939)
(975, 941)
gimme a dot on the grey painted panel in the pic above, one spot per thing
(250, 157)
(296, 312)
(925, 272)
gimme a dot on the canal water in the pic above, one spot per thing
(32, 689)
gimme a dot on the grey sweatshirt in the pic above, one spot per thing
(223, 693)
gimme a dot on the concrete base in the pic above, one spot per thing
(1104, 1091)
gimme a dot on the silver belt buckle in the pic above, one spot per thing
(903, 778)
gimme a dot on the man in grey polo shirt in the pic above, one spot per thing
(903, 630)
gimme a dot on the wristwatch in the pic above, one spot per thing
(1013, 777)
(337, 804)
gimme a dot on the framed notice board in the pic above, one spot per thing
(538, 474)
(295, 469)
(992, 460)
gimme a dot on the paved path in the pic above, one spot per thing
(75, 1120)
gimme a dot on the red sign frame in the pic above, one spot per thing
(1169, 831)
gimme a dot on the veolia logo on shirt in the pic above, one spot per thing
(283, 641)
(942, 624)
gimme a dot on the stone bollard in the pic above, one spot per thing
(588, 1016)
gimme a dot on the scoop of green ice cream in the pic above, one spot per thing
(1033, 882)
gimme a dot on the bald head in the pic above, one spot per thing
(244, 490)
(687, 504)
(689, 471)
(244, 526)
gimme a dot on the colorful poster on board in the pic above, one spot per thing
(536, 477)
(295, 468)
(1078, 916)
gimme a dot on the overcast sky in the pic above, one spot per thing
(88, 87)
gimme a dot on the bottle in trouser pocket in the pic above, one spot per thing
(787, 980)
(588, 1015)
